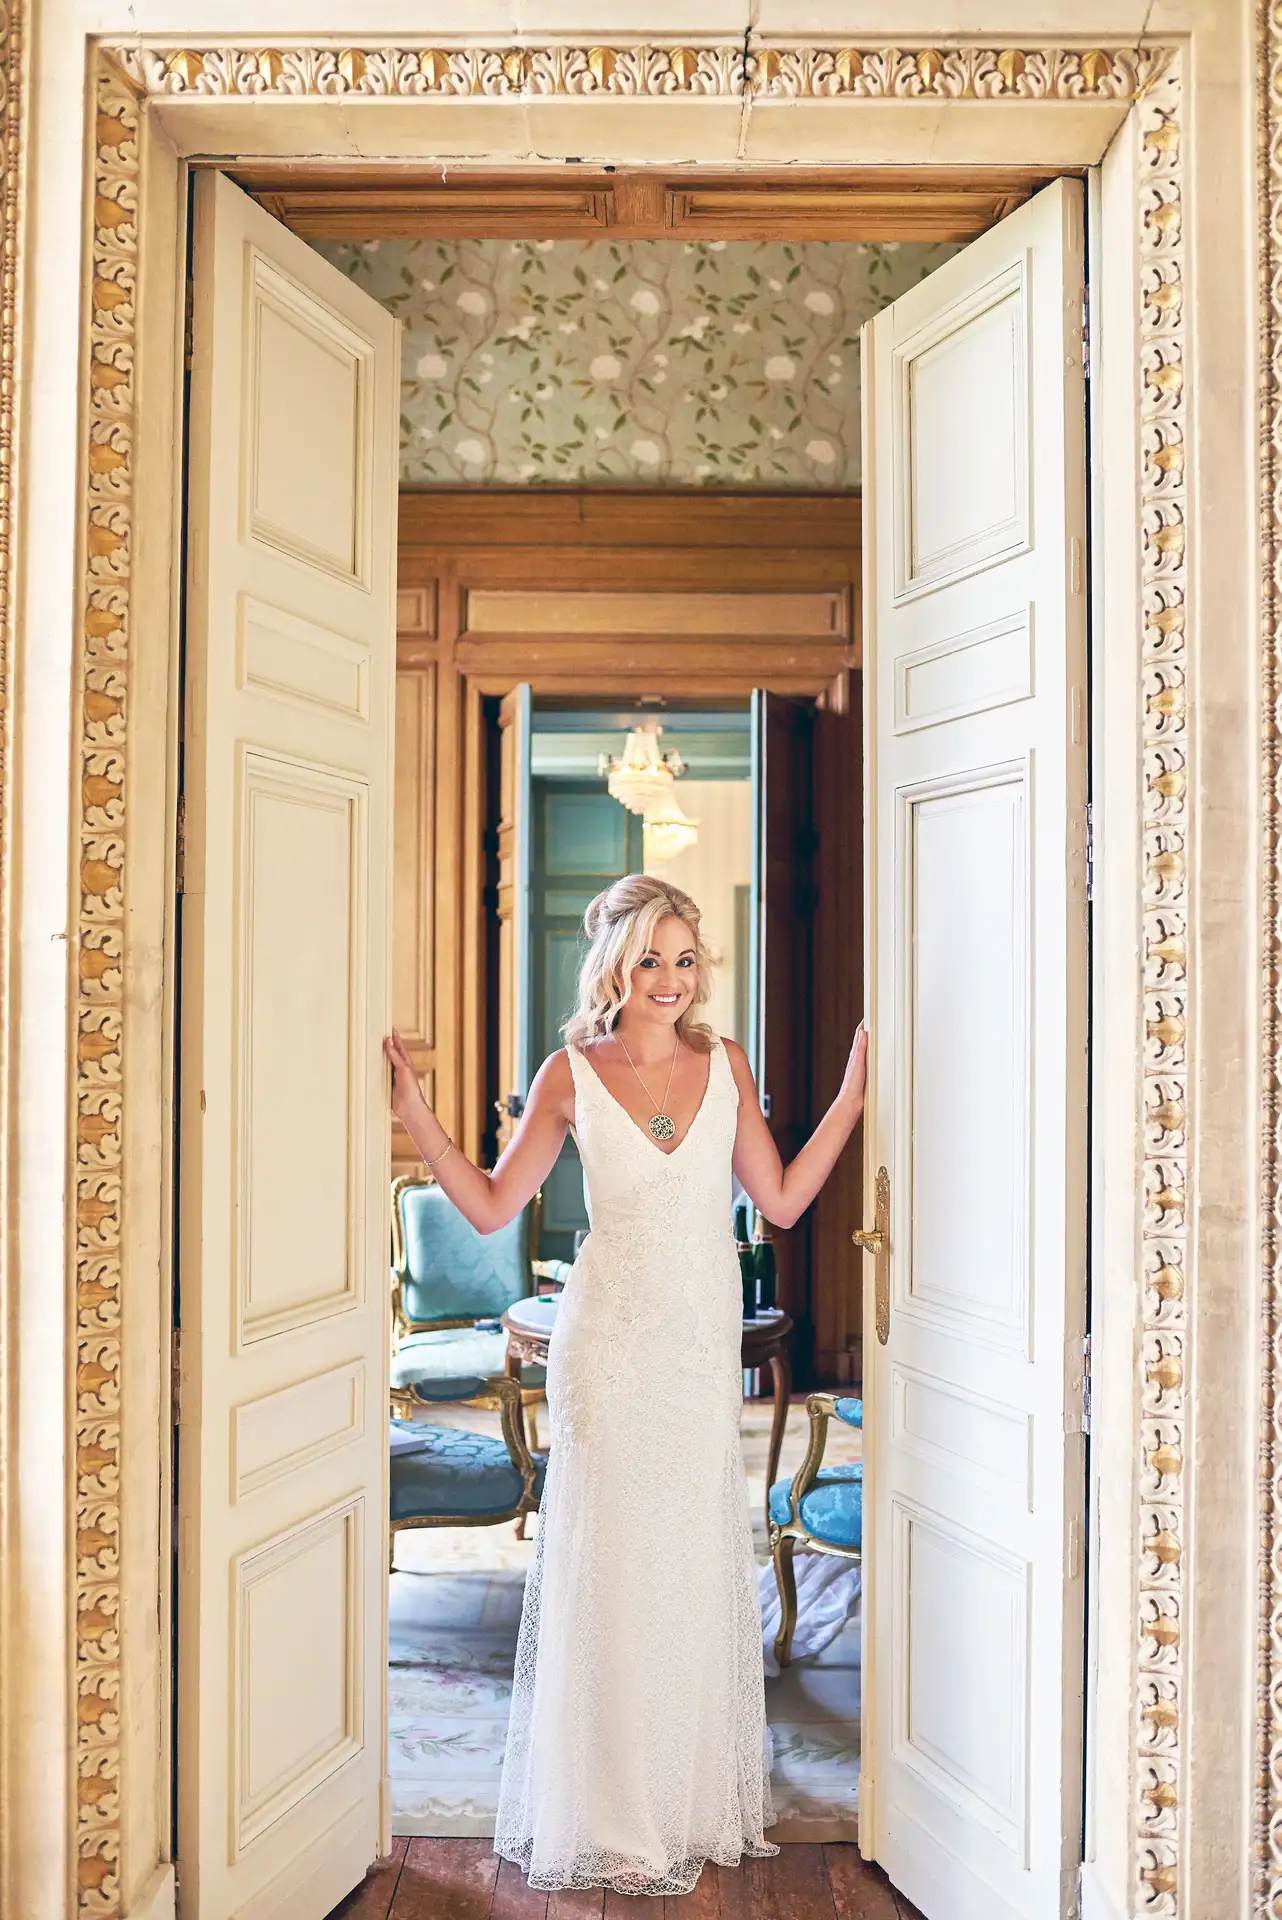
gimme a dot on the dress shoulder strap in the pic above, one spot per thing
(721, 1064)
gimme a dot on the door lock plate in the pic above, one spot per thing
(876, 1241)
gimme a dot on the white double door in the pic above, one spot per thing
(283, 1149)
(974, 598)
(975, 675)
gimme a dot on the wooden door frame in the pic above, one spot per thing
(468, 554)
(606, 540)
(368, 201)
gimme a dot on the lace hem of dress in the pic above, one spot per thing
(603, 1870)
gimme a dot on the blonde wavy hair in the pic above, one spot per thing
(620, 926)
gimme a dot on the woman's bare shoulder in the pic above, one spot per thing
(553, 1084)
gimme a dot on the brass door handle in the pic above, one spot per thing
(876, 1241)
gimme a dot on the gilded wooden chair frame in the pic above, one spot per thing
(504, 1397)
(785, 1538)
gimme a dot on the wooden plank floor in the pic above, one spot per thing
(463, 1880)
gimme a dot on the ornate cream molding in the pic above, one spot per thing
(98, 955)
(1268, 1820)
(1153, 80)
(1163, 1449)
(785, 72)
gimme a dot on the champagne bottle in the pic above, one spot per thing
(747, 1262)
(763, 1251)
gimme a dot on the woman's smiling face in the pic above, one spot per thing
(663, 981)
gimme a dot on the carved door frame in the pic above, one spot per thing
(150, 102)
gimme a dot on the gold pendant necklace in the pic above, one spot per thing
(662, 1126)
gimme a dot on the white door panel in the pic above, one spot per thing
(974, 518)
(283, 1151)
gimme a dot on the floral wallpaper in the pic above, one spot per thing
(715, 362)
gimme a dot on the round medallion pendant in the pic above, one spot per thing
(662, 1127)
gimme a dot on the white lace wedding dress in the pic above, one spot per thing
(637, 1747)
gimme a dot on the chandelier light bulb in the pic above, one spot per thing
(668, 832)
(641, 780)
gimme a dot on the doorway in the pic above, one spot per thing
(468, 716)
(582, 837)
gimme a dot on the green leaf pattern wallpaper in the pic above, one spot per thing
(696, 363)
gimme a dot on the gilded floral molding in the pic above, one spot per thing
(1165, 1313)
(1151, 78)
(100, 935)
(785, 72)
(1268, 1819)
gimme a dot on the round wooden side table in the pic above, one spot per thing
(528, 1325)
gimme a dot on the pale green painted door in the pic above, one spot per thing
(582, 840)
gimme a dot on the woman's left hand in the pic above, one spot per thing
(407, 1088)
(855, 1078)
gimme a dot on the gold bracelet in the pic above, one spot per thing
(439, 1157)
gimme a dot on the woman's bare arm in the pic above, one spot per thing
(784, 1193)
(488, 1200)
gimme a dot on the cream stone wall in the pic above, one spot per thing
(1185, 1732)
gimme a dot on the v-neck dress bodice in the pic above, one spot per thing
(637, 1746)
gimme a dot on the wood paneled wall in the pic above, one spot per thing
(355, 201)
(596, 596)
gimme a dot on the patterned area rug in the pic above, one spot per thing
(455, 1605)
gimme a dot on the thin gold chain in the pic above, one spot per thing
(645, 1090)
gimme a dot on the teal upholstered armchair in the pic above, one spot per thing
(445, 1278)
(444, 1477)
(821, 1509)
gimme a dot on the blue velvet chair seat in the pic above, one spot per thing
(456, 1475)
(453, 1354)
(832, 1507)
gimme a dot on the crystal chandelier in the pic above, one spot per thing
(668, 832)
(642, 780)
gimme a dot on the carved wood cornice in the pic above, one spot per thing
(324, 201)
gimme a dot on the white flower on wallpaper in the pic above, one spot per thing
(718, 363)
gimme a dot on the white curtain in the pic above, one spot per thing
(828, 1590)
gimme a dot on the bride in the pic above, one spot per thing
(637, 1746)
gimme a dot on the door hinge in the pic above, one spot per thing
(175, 1376)
(1090, 850)
(180, 847)
(1086, 1384)
(189, 325)
(1086, 332)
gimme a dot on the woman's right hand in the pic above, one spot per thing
(407, 1090)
